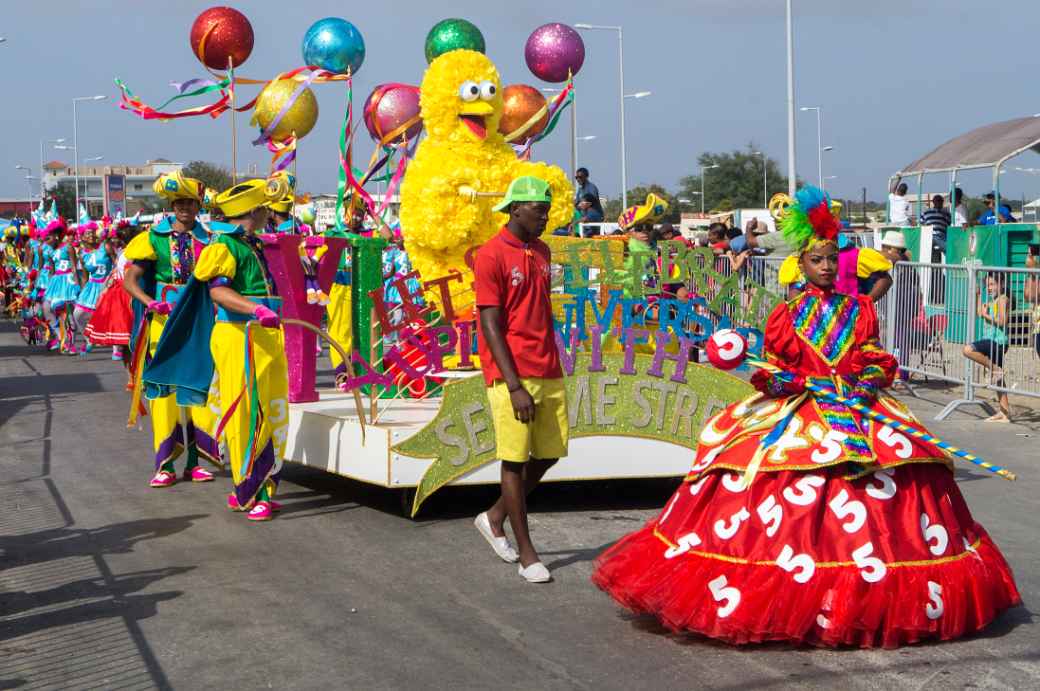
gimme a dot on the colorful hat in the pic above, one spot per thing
(282, 180)
(55, 226)
(174, 186)
(246, 196)
(649, 211)
(526, 188)
(807, 219)
(209, 198)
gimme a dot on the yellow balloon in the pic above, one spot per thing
(300, 117)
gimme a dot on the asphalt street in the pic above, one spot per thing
(105, 583)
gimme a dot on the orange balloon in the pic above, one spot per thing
(521, 104)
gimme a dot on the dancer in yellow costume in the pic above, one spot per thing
(163, 259)
(248, 348)
(339, 311)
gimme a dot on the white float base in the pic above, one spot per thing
(327, 435)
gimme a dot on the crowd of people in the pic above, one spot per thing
(118, 283)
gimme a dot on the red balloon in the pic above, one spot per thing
(227, 34)
(389, 108)
(726, 349)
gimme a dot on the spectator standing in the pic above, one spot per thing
(586, 188)
(939, 219)
(960, 211)
(907, 294)
(521, 366)
(989, 217)
(899, 212)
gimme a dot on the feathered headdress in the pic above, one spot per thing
(806, 219)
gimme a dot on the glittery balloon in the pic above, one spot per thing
(521, 102)
(388, 108)
(227, 34)
(453, 34)
(335, 45)
(554, 52)
(300, 117)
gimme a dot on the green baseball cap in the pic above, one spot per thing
(526, 188)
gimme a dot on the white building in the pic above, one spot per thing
(139, 180)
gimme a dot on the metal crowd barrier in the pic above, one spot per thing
(934, 312)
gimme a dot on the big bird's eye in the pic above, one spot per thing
(487, 91)
(469, 91)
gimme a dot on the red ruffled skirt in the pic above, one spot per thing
(889, 558)
(112, 320)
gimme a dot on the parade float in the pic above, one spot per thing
(410, 411)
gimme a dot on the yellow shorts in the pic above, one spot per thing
(543, 437)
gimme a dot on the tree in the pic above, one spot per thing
(212, 175)
(65, 195)
(736, 183)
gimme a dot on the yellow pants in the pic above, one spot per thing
(339, 313)
(227, 345)
(175, 428)
(544, 437)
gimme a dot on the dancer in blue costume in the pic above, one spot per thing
(60, 296)
(98, 262)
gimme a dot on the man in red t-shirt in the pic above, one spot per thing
(521, 366)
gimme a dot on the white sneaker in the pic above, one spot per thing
(501, 545)
(536, 573)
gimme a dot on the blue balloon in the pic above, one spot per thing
(335, 45)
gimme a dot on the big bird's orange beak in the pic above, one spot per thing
(474, 115)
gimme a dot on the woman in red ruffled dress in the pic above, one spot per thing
(112, 321)
(801, 521)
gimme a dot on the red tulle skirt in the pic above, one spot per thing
(889, 558)
(112, 321)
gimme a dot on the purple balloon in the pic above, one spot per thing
(554, 52)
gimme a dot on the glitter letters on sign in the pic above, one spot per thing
(668, 403)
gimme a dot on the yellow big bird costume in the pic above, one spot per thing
(463, 154)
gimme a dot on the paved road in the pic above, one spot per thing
(105, 583)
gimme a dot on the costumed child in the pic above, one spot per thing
(98, 261)
(339, 310)
(246, 345)
(802, 521)
(163, 260)
(112, 319)
(62, 291)
(52, 235)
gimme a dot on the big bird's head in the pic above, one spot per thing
(461, 99)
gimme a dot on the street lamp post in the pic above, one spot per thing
(28, 184)
(819, 140)
(792, 178)
(43, 191)
(824, 179)
(75, 139)
(704, 170)
(621, 99)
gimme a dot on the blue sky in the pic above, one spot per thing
(895, 80)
